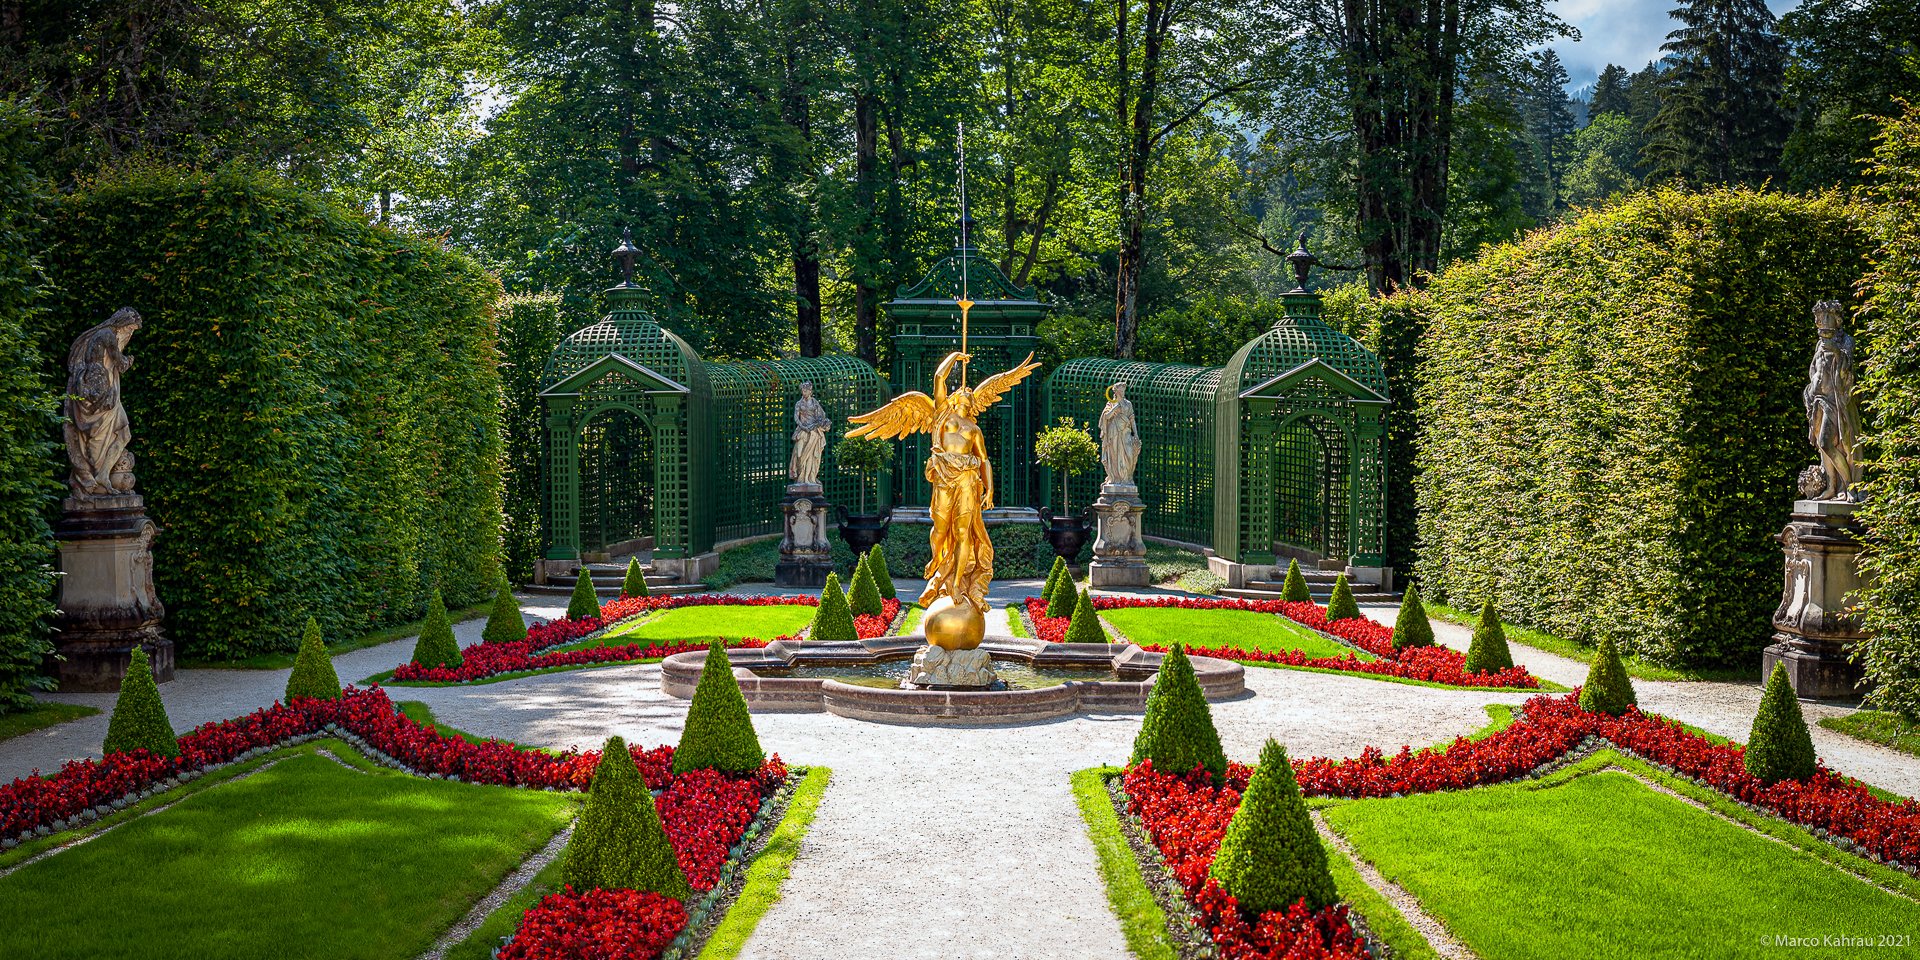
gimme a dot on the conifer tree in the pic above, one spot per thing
(1271, 858)
(1608, 689)
(864, 599)
(1054, 574)
(1294, 589)
(1412, 628)
(719, 733)
(436, 646)
(504, 623)
(635, 584)
(618, 843)
(1548, 113)
(139, 719)
(833, 620)
(313, 674)
(1177, 733)
(882, 577)
(585, 602)
(1085, 625)
(1609, 93)
(1780, 747)
(1340, 606)
(1488, 651)
(1065, 596)
(1720, 119)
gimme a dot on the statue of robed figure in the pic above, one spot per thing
(1833, 412)
(97, 429)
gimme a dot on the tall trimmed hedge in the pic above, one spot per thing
(27, 417)
(315, 403)
(1890, 383)
(530, 327)
(1611, 422)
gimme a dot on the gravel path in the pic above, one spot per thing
(942, 842)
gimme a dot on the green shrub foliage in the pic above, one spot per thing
(313, 674)
(1294, 588)
(436, 646)
(1890, 388)
(1608, 689)
(619, 843)
(1054, 573)
(882, 577)
(1177, 733)
(1412, 628)
(865, 598)
(139, 718)
(27, 417)
(1271, 857)
(1340, 606)
(530, 327)
(635, 584)
(1488, 651)
(1780, 746)
(1065, 595)
(1085, 625)
(504, 623)
(719, 733)
(316, 404)
(585, 602)
(833, 620)
(1611, 421)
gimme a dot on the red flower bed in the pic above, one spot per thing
(597, 925)
(1431, 664)
(1186, 815)
(484, 660)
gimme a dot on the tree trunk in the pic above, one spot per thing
(797, 112)
(866, 163)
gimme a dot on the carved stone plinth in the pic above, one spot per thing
(1812, 627)
(805, 555)
(938, 667)
(1119, 552)
(107, 602)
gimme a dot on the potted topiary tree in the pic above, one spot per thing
(864, 457)
(1066, 449)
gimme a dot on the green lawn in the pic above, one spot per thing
(1602, 866)
(691, 624)
(306, 859)
(284, 659)
(44, 714)
(1637, 668)
(1875, 726)
(1223, 628)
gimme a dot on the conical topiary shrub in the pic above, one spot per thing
(1780, 747)
(436, 646)
(1271, 858)
(833, 620)
(864, 600)
(719, 733)
(618, 842)
(1054, 573)
(1177, 733)
(1488, 651)
(313, 674)
(504, 624)
(635, 584)
(1411, 628)
(1607, 690)
(882, 577)
(1340, 606)
(1085, 625)
(1065, 596)
(139, 718)
(585, 602)
(1294, 589)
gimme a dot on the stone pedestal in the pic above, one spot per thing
(1119, 551)
(805, 555)
(1812, 628)
(107, 602)
(938, 667)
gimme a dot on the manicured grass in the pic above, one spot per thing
(688, 624)
(422, 714)
(914, 613)
(503, 921)
(43, 714)
(1637, 668)
(306, 859)
(1875, 726)
(281, 661)
(1599, 865)
(1141, 920)
(769, 870)
(1223, 628)
(1382, 918)
(1015, 625)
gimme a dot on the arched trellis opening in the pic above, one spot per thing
(616, 478)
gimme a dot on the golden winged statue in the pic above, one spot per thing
(962, 480)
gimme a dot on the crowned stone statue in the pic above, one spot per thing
(809, 438)
(97, 430)
(1119, 437)
(1833, 413)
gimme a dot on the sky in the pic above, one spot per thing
(1626, 32)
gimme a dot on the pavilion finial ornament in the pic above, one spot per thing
(1833, 412)
(962, 479)
(625, 253)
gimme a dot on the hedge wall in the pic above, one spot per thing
(26, 426)
(1890, 339)
(315, 402)
(529, 329)
(1611, 423)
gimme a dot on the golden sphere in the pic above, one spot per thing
(952, 626)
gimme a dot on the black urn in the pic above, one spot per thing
(862, 531)
(1066, 532)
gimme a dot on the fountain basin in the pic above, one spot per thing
(801, 677)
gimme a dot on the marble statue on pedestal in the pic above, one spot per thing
(1119, 552)
(97, 429)
(810, 425)
(1119, 438)
(1833, 412)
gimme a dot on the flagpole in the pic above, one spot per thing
(965, 241)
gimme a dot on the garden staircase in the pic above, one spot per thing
(607, 578)
(1319, 585)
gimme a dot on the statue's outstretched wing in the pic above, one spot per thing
(908, 413)
(993, 388)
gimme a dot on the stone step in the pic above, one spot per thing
(611, 588)
(1273, 592)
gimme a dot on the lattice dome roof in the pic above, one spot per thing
(631, 333)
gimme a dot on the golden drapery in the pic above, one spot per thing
(962, 562)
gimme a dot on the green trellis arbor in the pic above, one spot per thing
(1280, 450)
(645, 438)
